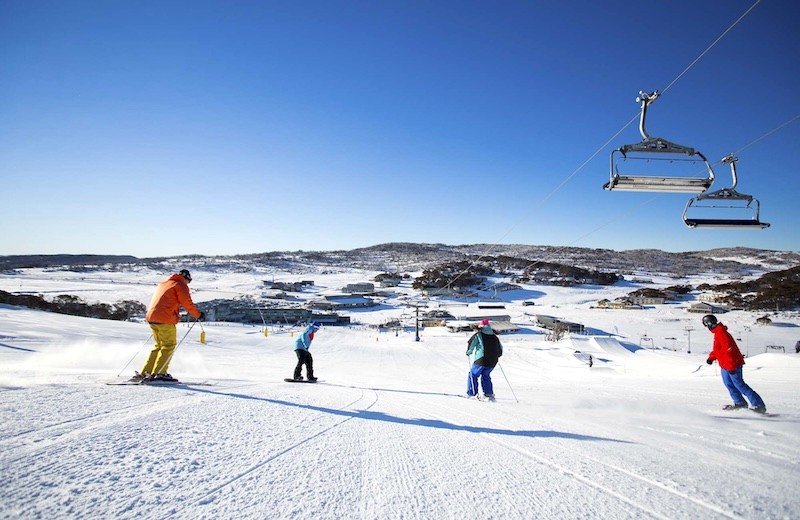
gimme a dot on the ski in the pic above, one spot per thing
(290, 380)
(477, 398)
(159, 383)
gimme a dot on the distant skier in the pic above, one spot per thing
(162, 315)
(301, 346)
(730, 359)
(486, 349)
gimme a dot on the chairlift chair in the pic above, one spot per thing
(656, 149)
(727, 200)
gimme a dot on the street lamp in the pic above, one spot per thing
(416, 322)
(416, 326)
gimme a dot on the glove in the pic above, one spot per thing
(202, 316)
(710, 362)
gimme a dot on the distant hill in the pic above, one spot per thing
(744, 261)
(772, 291)
(28, 261)
(409, 257)
(760, 279)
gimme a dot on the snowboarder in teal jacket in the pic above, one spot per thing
(301, 346)
(486, 349)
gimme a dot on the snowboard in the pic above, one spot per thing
(765, 414)
(289, 380)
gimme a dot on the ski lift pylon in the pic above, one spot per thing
(655, 148)
(725, 199)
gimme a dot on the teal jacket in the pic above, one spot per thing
(304, 341)
(485, 347)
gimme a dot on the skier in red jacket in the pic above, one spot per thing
(731, 361)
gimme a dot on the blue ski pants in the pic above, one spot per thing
(484, 373)
(734, 382)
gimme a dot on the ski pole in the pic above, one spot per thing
(473, 383)
(134, 356)
(166, 363)
(509, 384)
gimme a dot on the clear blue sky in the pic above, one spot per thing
(176, 127)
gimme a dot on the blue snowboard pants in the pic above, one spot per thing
(734, 382)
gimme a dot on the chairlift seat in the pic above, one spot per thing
(658, 184)
(652, 148)
(722, 200)
(724, 223)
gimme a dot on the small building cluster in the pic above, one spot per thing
(618, 303)
(289, 286)
(557, 324)
(706, 308)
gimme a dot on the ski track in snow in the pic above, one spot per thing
(593, 478)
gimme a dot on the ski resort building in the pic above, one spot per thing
(706, 308)
(359, 288)
(619, 303)
(499, 324)
(553, 323)
(342, 301)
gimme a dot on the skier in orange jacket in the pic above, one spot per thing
(162, 315)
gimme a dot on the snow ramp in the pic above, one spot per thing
(601, 345)
(611, 345)
(585, 344)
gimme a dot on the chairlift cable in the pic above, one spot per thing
(729, 29)
(593, 231)
(758, 139)
(593, 155)
(527, 215)
(634, 118)
(779, 127)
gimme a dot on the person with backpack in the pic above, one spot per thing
(485, 348)
(725, 352)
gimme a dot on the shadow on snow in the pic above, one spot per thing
(426, 423)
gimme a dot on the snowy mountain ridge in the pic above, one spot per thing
(405, 257)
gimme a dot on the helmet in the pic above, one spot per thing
(185, 273)
(315, 324)
(710, 321)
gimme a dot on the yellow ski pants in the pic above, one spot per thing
(166, 337)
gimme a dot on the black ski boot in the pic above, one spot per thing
(734, 406)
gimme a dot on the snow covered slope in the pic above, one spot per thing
(386, 433)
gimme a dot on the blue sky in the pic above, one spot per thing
(158, 128)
